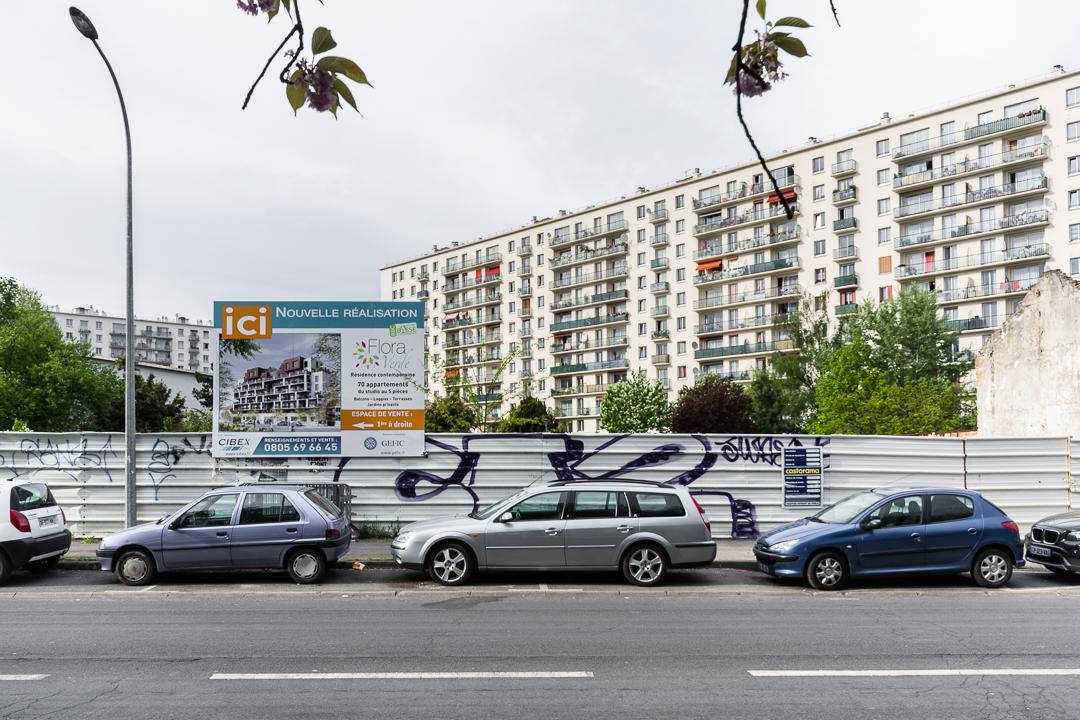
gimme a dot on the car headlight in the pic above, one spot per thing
(782, 547)
(402, 538)
(1074, 536)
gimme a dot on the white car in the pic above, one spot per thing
(32, 532)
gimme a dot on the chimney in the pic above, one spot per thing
(885, 118)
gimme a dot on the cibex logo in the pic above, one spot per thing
(246, 322)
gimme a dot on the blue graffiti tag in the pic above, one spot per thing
(68, 457)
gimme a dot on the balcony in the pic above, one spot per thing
(524, 250)
(846, 223)
(661, 359)
(973, 292)
(661, 334)
(660, 287)
(658, 263)
(846, 253)
(747, 218)
(845, 196)
(589, 322)
(968, 166)
(659, 240)
(525, 291)
(745, 192)
(567, 259)
(846, 281)
(743, 349)
(1026, 219)
(569, 346)
(1036, 251)
(526, 331)
(606, 297)
(732, 375)
(452, 266)
(525, 313)
(845, 309)
(490, 319)
(613, 228)
(722, 300)
(467, 283)
(473, 340)
(489, 398)
(577, 412)
(492, 298)
(524, 270)
(971, 134)
(423, 295)
(619, 271)
(659, 216)
(973, 324)
(971, 197)
(716, 248)
(753, 321)
(747, 270)
(563, 369)
(844, 168)
(660, 311)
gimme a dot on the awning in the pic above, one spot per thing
(788, 194)
(709, 265)
(493, 270)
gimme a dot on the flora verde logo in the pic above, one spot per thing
(382, 353)
(365, 353)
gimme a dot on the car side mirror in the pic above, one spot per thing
(871, 524)
(505, 517)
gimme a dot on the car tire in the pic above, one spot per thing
(451, 564)
(992, 568)
(135, 567)
(42, 566)
(5, 568)
(306, 566)
(827, 571)
(645, 565)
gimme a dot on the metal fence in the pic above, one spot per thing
(737, 478)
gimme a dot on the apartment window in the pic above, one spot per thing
(641, 282)
(985, 117)
(819, 247)
(640, 212)
(680, 347)
(819, 192)
(884, 293)
(883, 206)
(882, 147)
(510, 247)
(680, 275)
(641, 305)
(540, 323)
(680, 372)
(819, 275)
(540, 261)
(1074, 266)
(97, 326)
(641, 235)
(884, 235)
(819, 220)
(883, 176)
(512, 266)
(884, 265)
(513, 305)
(680, 226)
(1074, 164)
(680, 201)
(540, 279)
(1074, 199)
(540, 301)
(680, 298)
(819, 303)
(818, 164)
(680, 323)
(640, 259)
(69, 323)
(1074, 232)
(1073, 131)
(642, 329)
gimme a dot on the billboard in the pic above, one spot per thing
(802, 477)
(318, 379)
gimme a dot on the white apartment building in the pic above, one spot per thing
(179, 342)
(971, 201)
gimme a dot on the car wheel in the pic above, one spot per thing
(992, 568)
(5, 568)
(43, 565)
(644, 565)
(451, 564)
(135, 567)
(306, 566)
(827, 571)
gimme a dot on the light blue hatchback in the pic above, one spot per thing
(889, 531)
(245, 527)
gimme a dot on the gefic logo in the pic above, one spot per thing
(365, 354)
(245, 322)
(370, 443)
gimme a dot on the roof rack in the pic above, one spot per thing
(654, 483)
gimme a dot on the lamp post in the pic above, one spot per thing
(84, 26)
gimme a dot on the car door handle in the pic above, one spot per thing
(972, 531)
(552, 531)
(623, 528)
(223, 534)
(917, 537)
(291, 530)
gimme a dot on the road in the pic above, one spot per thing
(75, 645)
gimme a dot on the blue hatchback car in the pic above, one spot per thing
(889, 531)
(279, 526)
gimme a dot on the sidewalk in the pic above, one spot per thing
(736, 554)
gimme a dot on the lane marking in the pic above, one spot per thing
(21, 678)
(399, 676)
(148, 588)
(914, 673)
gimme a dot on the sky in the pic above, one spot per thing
(483, 114)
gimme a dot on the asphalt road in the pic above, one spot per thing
(87, 648)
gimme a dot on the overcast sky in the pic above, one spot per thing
(483, 114)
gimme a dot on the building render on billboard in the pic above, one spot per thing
(291, 394)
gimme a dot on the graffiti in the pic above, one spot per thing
(767, 450)
(73, 458)
(189, 447)
(160, 466)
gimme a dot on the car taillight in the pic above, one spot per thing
(333, 534)
(21, 523)
(704, 517)
(1011, 526)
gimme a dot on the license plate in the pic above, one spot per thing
(1040, 551)
(46, 521)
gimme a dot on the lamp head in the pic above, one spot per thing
(82, 23)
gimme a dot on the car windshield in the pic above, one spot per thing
(490, 509)
(847, 509)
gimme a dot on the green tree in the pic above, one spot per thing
(449, 414)
(47, 383)
(157, 408)
(529, 415)
(635, 405)
(768, 404)
(327, 355)
(191, 421)
(204, 393)
(712, 405)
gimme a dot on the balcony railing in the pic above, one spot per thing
(990, 289)
(589, 322)
(659, 311)
(844, 167)
(839, 196)
(843, 253)
(745, 218)
(525, 291)
(661, 334)
(489, 398)
(1028, 217)
(733, 375)
(565, 346)
(1032, 117)
(661, 359)
(524, 270)
(659, 216)
(587, 255)
(968, 165)
(843, 223)
(973, 323)
(846, 281)
(612, 227)
(714, 248)
(971, 196)
(746, 190)
(659, 240)
(469, 302)
(658, 263)
(1033, 251)
(584, 278)
(589, 367)
(745, 270)
(591, 299)
(744, 349)
(453, 266)
(720, 300)
(753, 321)
(660, 287)
(845, 309)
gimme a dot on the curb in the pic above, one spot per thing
(381, 564)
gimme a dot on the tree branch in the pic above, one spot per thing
(298, 27)
(741, 67)
(832, 5)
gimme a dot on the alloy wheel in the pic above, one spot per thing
(449, 565)
(994, 568)
(646, 565)
(829, 572)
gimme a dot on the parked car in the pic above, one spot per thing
(642, 528)
(887, 531)
(34, 536)
(1054, 543)
(290, 527)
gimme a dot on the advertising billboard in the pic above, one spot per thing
(318, 379)
(803, 477)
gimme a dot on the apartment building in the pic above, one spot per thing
(970, 201)
(292, 394)
(177, 342)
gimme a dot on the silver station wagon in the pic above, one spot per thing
(640, 527)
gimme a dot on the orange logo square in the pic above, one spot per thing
(245, 322)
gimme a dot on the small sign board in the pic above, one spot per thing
(803, 476)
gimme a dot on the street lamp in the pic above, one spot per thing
(84, 26)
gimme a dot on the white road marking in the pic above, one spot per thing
(914, 673)
(21, 678)
(399, 676)
(147, 588)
